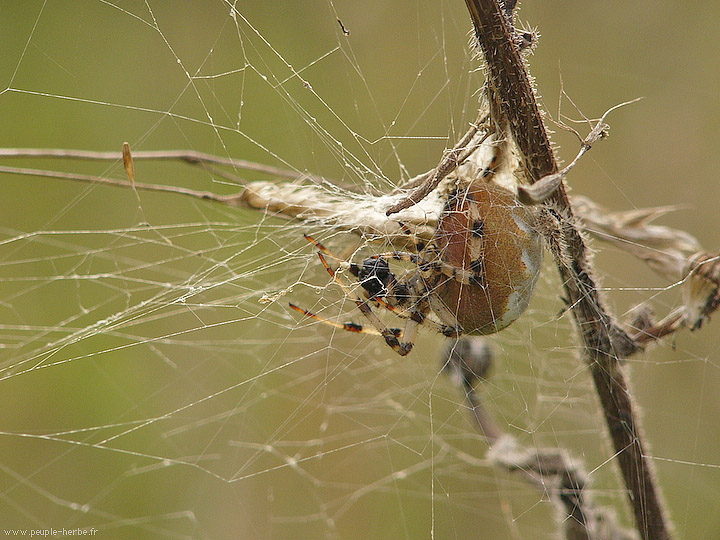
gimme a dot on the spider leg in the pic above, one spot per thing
(462, 275)
(451, 325)
(401, 256)
(415, 315)
(402, 348)
(349, 326)
(444, 329)
(319, 245)
(473, 276)
(352, 266)
(417, 242)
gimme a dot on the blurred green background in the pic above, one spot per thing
(151, 391)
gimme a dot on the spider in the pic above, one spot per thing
(476, 274)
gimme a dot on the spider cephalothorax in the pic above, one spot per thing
(476, 275)
(375, 277)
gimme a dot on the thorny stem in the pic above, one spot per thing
(513, 101)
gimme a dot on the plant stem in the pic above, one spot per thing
(513, 103)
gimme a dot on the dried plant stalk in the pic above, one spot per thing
(605, 343)
(551, 470)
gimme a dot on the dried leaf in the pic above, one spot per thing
(663, 248)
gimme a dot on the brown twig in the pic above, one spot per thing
(230, 200)
(450, 161)
(701, 298)
(188, 156)
(513, 102)
(551, 470)
(544, 188)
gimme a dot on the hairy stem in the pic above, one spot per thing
(513, 103)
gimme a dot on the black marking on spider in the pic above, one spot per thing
(391, 340)
(426, 266)
(490, 169)
(452, 202)
(406, 347)
(402, 294)
(478, 228)
(476, 266)
(451, 331)
(375, 276)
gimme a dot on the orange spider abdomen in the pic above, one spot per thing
(486, 232)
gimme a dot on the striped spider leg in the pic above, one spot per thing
(408, 299)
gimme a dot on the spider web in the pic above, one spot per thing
(155, 383)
